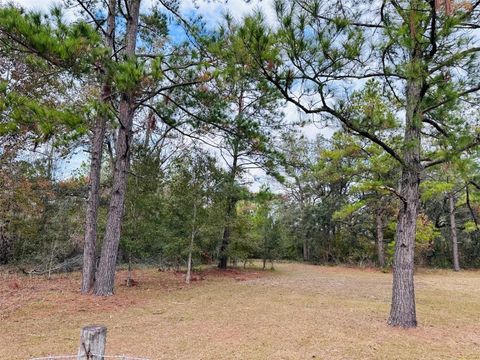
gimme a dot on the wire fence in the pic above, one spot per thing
(92, 346)
(90, 357)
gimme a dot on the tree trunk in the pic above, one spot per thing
(470, 208)
(106, 269)
(453, 230)
(89, 246)
(304, 234)
(305, 249)
(402, 312)
(129, 277)
(230, 214)
(265, 250)
(105, 279)
(380, 251)
(303, 230)
(192, 242)
(223, 254)
(52, 255)
(90, 239)
(232, 196)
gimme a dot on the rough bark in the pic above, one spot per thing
(380, 250)
(402, 312)
(106, 270)
(90, 238)
(453, 231)
(104, 283)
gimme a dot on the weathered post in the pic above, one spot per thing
(92, 342)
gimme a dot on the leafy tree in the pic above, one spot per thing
(448, 186)
(299, 158)
(173, 213)
(240, 112)
(372, 192)
(39, 61)
(414, 48)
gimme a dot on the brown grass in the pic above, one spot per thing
(296, 312)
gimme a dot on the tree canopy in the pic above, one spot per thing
(331, 132)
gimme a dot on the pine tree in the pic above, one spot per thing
(412, 47)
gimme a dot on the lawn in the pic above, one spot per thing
(295, 312)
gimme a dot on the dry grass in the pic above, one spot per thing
(297, 312)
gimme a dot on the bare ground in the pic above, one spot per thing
(296, 312)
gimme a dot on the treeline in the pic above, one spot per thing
(171, 211)
(334, 205)
(177, 112)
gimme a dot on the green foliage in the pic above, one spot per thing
(348, 210)
(470, 226)
(76, 46)
(426, 231)
(19, 113)
(39, 218)
(128, 75)
(431, 188)
(160, 209)
(371, 110)
(318, 56)
(154, 26)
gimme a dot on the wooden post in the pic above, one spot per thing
(92, 342)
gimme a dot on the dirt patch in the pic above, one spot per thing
(18, 291)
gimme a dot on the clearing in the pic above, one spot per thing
(296, 312)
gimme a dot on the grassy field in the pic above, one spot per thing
(295, 312)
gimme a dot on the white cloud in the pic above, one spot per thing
(215, 10)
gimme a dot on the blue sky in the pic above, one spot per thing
(212, 11)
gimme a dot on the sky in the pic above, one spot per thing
(212, 11)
